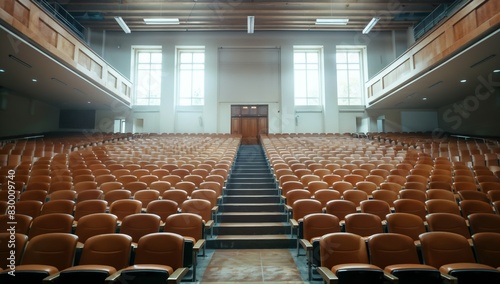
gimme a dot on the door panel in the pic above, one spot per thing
(249, 121)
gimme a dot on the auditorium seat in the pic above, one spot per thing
(397, 255)
(344, 258)
(452, 254)
(101, 256)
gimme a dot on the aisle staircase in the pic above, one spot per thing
(250, 214)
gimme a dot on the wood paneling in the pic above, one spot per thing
(33, 23)
(461, 29)
(249, 121)
(465, 25)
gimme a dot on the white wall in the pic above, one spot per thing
(215, 115)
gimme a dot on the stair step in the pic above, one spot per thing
(249, 170)
(249, 217)
(250, 191)
(250, 199)
(270, 228)
(254, 185)
(252, 242)
(251, 178)
(251, 207)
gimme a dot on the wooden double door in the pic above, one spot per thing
(250, 121)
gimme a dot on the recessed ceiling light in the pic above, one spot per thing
(424, 99)
(332, 21)
(88, 102)
(34, 80)
(496, 71)
(463, 81)
(2, 70)
(161, 21)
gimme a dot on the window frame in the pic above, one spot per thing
(319, 50)
(361, 49)
(135, 70)
(188, 49)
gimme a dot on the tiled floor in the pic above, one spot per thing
(252, 266)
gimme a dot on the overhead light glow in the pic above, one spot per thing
(370, 25)
(463, 81)
(332, 21)
(122, 24)
(250, 24)
(161, 21)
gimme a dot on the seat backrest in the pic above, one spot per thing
(160, 248)
(177, 195)
(58, 206)
(107, 249)
(95, 224)
(363, 224)
(325, 195)
(319, 224)
(406, 224)
(415, 185)
(390, 248)
(117, 194)
(163, 208)
(185, 224)
(205, 194)
(34, 194)
(354, 195)
(377, 207)
(440, 248)
(386, 195)
(342, 247)
(366, 186)
(302, 207)
(63, 194)
(342, 186)
(187, 186)
(340, 208)
(440, 194)
(51, 223)
(89, 195)
(29, 207)
(487, 248)
(314, 186)
(110, 185)
(125, 207)
(145, 196)
(85, 185)
(411, 206)
(296, 194)
(135, 186)
(448, 222)
(475, 206)
(484, 222)
(140, 224)
(415, 194)
(20, 241)
(23, 223)
(90, 206)
(442, 206)
(54, 249)
(198, 206)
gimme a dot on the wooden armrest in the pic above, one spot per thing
(215, 208)
(391, 278)
(199, 244)
(294, 222)
(113, 277)
(306, 244)
(449, 278)
(328, 276)
(209, 224)
(177, 276)
(51, 278)
(288, 207)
